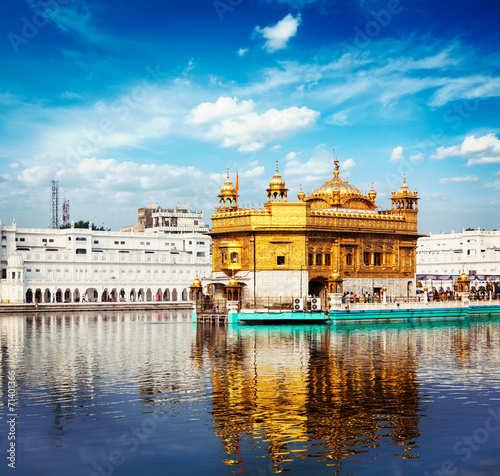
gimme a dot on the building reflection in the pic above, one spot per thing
(328, 395)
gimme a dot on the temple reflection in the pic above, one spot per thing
(325, 394)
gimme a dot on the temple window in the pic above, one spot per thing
(377, 259)
(310, 259)
(234, 257)
(224, 257)
(280, 260)
(366, 258)
(319, 261)
(348, 259)
(327, 259)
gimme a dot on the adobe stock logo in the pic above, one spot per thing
(372, 29)
(468, 445)
(31, 27)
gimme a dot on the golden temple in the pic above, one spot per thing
(333, 240)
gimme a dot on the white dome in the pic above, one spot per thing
(15, 261)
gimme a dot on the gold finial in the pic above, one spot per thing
(336, 168)
(228, 174)
(404, 178)
(276, 166)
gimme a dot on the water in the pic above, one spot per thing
(151, 393)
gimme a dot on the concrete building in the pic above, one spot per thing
(66, 265)
(441, 259)
(168, 220)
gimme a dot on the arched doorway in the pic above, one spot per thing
(47, 296)
(38, 295)
(410, 288)
(174, 294)
(67, 295)
(91, 294)
(149, 295)
(166, 295)
(317, 288)
(59, 295)
(132, 295)
(76, 295)
(29, 296)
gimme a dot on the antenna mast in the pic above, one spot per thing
(54, 214)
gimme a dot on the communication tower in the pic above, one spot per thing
(54, 214)
(65, 211)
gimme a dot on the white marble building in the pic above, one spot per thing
(441, 259)
(70, 264)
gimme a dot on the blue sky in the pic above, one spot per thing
(131, 103)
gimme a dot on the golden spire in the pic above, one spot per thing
(335, 166)
(301, 195)
(276, 166)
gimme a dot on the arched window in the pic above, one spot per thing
(348, 259)
(234, 257)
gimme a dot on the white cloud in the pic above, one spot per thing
(277, 35)
(242, 51)
(417, 157)
(276, 147)
(224, 107)
(397, 154)
(480, 150)
(70, 95)
(348, 164)
(252, 131)
(254, 172)
(33, 176)
(467, 178)
(318, 167)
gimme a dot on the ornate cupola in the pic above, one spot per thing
(277, 192)
(405, 199)
(228, 197)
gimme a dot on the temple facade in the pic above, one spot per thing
(333, 240)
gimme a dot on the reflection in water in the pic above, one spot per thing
(256, 399)
(309, 392)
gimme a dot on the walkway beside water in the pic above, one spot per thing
(6, 309)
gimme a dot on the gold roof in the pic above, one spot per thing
(331, 186)
(227, 188)
(277, 181)
(404, 190)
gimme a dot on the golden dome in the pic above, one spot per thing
(233, 282)
(228, 188)
(301, 195)
(197, 282)
(344, 187)
(277, 181)
(372, 195)
(463, 277)
(404, 190)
